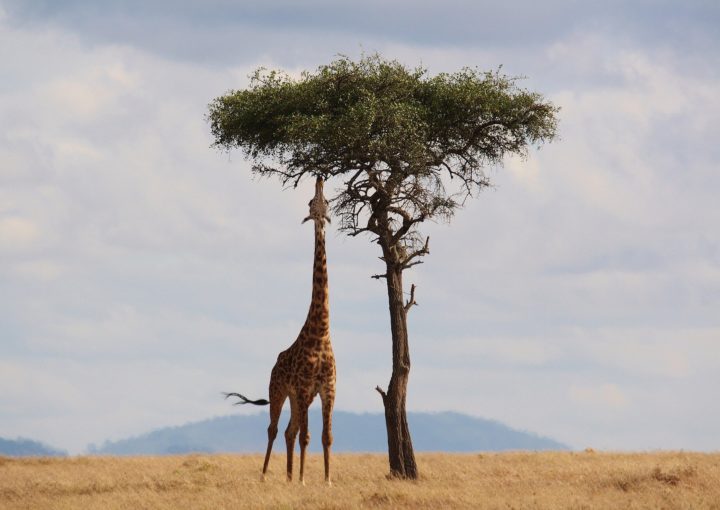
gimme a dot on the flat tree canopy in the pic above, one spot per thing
(405, 146)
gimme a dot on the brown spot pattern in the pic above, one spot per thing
(307, 367)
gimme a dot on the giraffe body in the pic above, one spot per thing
(307, 367)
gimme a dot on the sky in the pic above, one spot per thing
(143, 272)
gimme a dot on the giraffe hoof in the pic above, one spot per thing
(262, 477)
(328, 483)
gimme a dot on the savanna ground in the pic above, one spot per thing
(507, 480)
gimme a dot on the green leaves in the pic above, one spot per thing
(385, 128)
(373, 110)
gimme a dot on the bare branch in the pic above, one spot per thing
(406, 226)
(410, 302)
(411, 264)
(357, 174)
(286, 176)
(378, 276)
(425, 250)
(400, 212)
(381, 392)
(358, 231)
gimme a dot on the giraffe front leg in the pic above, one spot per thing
(328, 400)
(290, 435)
(304, 437)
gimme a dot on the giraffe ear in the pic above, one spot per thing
(303, 221)
(328, 219)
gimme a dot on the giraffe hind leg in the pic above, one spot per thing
(276, 403)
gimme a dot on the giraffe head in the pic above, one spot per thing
(318, 206)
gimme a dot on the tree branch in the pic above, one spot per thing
(405, 227)
(412, 264)
(425, 250)
(410, 302)
(381, 392)
(358, 231)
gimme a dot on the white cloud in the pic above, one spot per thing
(39, 269)
(96, 92)
(599, 398)
(144, 272)
(17, 232)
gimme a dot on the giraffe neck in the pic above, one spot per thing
(318, 320)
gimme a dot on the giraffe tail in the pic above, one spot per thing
(245, 400)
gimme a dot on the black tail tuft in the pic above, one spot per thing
(245, 400)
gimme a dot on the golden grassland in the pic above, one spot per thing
(504, 480)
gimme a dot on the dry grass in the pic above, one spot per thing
(508, 480)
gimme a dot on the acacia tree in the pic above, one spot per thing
(406, 147)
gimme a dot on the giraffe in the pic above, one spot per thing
(307, 367)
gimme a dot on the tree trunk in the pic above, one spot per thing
(400, 449)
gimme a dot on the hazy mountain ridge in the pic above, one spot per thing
(445, 431)
(22, 447)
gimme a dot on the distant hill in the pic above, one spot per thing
(447, 431)
(26, 447)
